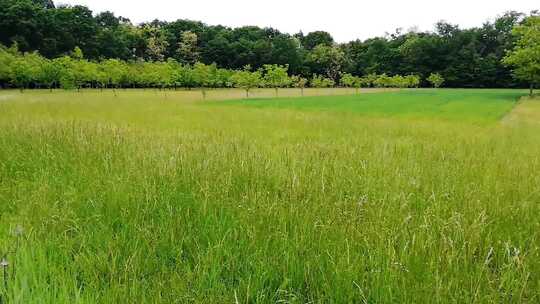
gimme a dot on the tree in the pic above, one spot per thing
(412, 81)
(22, 71)
(525, 57)
(327, 60)
(202, 77)
(51, 72)
(67, 81)
(247, 80)
(48, 4)
(311, 40)
(276, 76)
(319, 81)
(299, 82)
(187, 48)
(398, 81)
(7, 57)
(175, 72)
(117, 37)
(115, 70)
(383, 81)
(369, 80)
(22, 22)
(76, 70)
(436, 80)
(165, 74)
(157, 43)
(347, 80)
(350, 81)
(102, 76)
(186, 76)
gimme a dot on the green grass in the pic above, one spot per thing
(462, 105)
(389, 198)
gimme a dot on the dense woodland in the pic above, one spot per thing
(463, 57)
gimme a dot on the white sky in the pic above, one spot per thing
(345, 19)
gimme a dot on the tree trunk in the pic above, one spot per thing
(302, 92)
(276, 91)
(247, 93)
(531, 89)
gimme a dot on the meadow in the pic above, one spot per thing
(411, 196)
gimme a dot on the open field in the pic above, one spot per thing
(420, 196)
(459, 105)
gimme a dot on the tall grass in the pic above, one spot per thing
(142, 199)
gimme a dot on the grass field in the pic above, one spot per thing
(459, 105)
(421, 196)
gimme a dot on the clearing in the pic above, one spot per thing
(420, 196)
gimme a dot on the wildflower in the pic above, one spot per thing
(4, 263)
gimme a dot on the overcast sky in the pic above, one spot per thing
(345, 19)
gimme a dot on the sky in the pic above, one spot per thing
(346, 20)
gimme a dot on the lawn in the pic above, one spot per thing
(427, 196)
(460, 105)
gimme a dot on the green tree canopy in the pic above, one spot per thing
(319, 81)
(327, 60)
(247, 79)
(276, 76)
(525, 57)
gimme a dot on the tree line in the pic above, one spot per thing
(73, 71)
(462, 57)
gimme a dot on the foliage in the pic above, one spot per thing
(319, 81)
(436, 80)
(411, 81)
(383, 81)
(299, 82)
(247, 80)
(525, 57)
(6, 59)
(369, 80)
(156, 43)
(187, 48)
(50, 73)
(348, 80)
(276, 76)
(327, 60)
(466, 57)
(75, 71)
(313, 39)
(115, 70)
(23, 70)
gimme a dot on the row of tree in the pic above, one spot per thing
(464, 57)
(31, 70)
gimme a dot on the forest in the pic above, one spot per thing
(462, 57)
